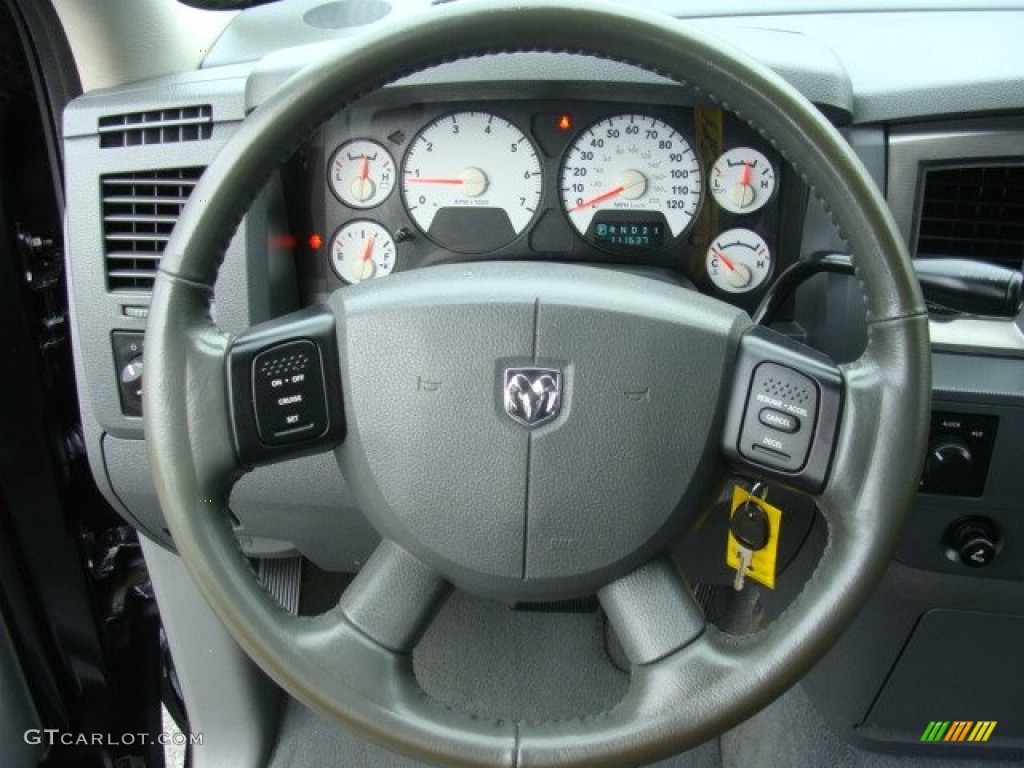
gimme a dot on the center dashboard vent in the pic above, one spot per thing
(974, 212)
(162, 126)
(140, 209)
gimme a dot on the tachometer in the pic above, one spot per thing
(630, 180)
(472, 181)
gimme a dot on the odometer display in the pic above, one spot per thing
(631, 170)
(631, 233)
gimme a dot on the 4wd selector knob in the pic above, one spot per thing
(949, 462)
(973, 541)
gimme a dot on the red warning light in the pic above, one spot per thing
(282, 240)
(564, 122)
(315, 241)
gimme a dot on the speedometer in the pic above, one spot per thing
(631, 181)
(472, 181)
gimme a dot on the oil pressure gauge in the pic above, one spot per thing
(361, 173)
(738, 261)
(361, 250)
(742, 180)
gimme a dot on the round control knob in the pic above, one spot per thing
(131, 386)
(132, 370)
(973, 542)
(949, 462)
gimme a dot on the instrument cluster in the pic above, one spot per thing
(690, 190)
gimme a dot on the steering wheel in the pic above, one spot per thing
(588, 498)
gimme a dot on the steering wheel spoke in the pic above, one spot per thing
(394, 597)
(652, 611)
(284, 388)
(784, 411)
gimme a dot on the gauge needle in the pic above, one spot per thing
(364, 259)
(425, 180)
(632, 184)
(738, 274)
(368, 248)
(472, 179)
(745, 175)
(743, 193)
(725, 260)
(363, 187)
(599, 198)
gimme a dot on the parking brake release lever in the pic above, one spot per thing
(958, 285)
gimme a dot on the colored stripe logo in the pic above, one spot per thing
(958, 730)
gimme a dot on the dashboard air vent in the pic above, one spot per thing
(975, 213)
(139, 211)
(162, 126)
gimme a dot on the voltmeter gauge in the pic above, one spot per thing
(738, 261)
(361, 173)
(742, 180)
(361, 250)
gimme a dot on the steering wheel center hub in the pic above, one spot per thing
(531, 431)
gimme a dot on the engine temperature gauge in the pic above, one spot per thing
(361, 173)
(738, 261)
(742, 180)
(361, 250)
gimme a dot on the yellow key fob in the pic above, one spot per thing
(763, 561)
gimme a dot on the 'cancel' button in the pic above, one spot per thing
(783, 422)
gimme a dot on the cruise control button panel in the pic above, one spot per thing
(780, 417)
(288, 393)
(284, 382)
(783, 413)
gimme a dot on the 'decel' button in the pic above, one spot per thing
(783, 422)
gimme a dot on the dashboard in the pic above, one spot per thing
(690, 192)
(547, 157)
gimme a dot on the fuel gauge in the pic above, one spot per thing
(738, 261)
(362, 250)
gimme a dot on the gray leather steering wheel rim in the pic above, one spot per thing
(678, 698)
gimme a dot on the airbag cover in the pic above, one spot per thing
(553, 510)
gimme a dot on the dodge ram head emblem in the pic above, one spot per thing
(533, 396)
